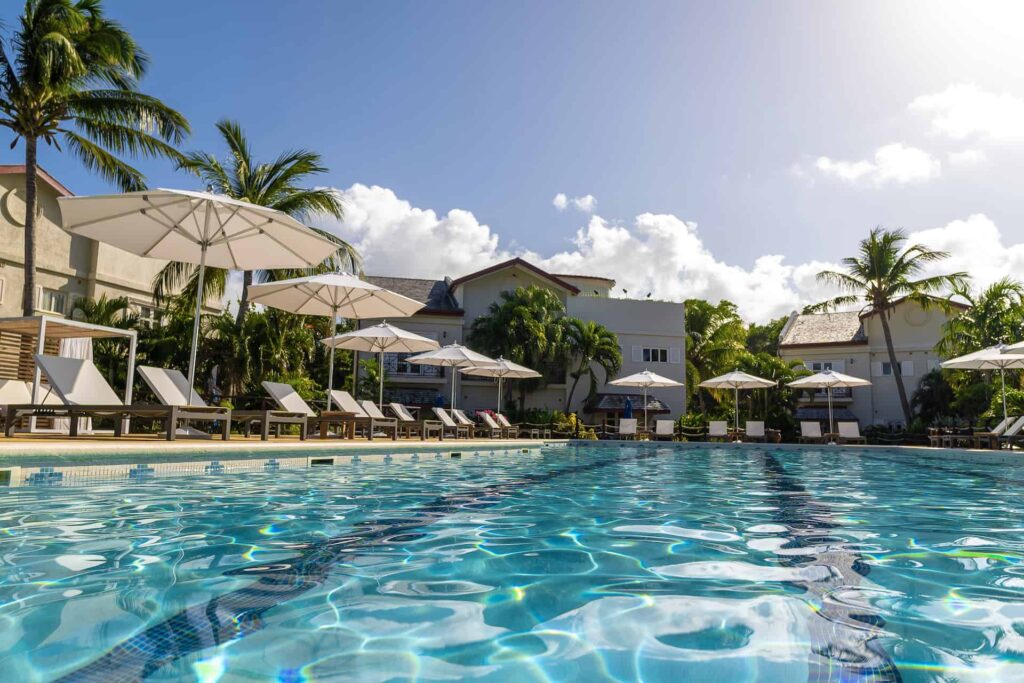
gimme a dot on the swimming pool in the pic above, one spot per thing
(592, 563)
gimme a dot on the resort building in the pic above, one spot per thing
(854, 344)
(650, 334)
(67, 267)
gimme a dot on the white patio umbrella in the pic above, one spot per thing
(829, 379)
(647, 380)
(501, 369)
(196, 227)
(737, 380)
(379, 339)
(451, 356)
(999, 357)
(334, 294)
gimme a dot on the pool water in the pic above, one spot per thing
(590, 563)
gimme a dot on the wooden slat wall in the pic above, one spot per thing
(16, 355)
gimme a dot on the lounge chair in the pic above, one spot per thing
(412, 426)
(718, 430)
(810, 432)
(496, 430)
(289, 400)
(754, 431)
(849, 432)
(378, 421)
(17, 392)
(627, 428)
(517, 430)
(1013, 435)
(463, 420)
(991, 437)
(664, 430)
(84, 393)
(171, 388)
(358, 417)
(450, 425)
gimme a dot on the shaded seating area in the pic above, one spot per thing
(609, 409)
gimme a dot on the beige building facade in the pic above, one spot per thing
(854, 344)
(650, 334)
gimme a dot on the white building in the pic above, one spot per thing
(854, 344)
(650, 333)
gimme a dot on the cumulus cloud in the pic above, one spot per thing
(586, 203)
(964, 110)
(657, 253)
(966, 157)
(895, 163)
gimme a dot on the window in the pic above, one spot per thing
(52, 300)
(149, 316)
(886, 369)
(651, 355)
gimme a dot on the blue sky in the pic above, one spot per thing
(783, 128)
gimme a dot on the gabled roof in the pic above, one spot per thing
(512, 263)
(616, 403)
(46, 178)
(825, 328)
(436, 294)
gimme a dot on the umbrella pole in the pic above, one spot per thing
(831, 420)
(330, 363)
(452, 408)
(380, 373)
(195, 326)
(499, 394)
(1002, 384)
(736, 391)
(645, 408)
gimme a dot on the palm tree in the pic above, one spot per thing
(715, 336)
(70, 74)
(884, 272)
(996, 315)
(592, 343)
(110, 354)
(276, 184)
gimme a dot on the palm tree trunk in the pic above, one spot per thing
(896, 370)
(243, 303)
(28, 294)
(572, 389)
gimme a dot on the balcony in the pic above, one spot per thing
(839, 395)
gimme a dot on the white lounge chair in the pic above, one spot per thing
(289, 400)
(378, 420)
(718, 430)
(810, 432)
(627, 428)
(754, 431)
(358, 416)
(990, 437)
(412, 426)
(496, 430)
(849, 432)
(83, 392)
(171, 388)
(517, 430)
(463, 420)
(450, 425)
(1013, 435)
(664, 430)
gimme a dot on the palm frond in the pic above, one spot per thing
(103, 163)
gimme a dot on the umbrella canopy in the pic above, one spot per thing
(501, 369)
(337, 294)
(829, 379)
(646, 380)
(737, 380)
(379, 339)
(999, 357)
(196, 227)
(334, 294)
(452, 356)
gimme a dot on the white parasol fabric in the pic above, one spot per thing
(452, 356)
(646, 380)
(334, 294)
(999, 357)
(501, 369)
(829, 379)
(737, 380)
(196, 227)
(380, 339)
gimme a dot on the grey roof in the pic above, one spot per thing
(821, 414)
(825, 328)
(434, 293)
(616, 403)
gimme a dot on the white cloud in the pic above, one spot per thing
(896, 163)
(657, 253)
(963, 110)
(966, 157)
(586, 203)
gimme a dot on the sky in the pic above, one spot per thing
(686, 149)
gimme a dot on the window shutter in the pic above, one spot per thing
(876, 369)
(674, 356)
(638, 354)
(907, 368)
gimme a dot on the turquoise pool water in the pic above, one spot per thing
(591, 563)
